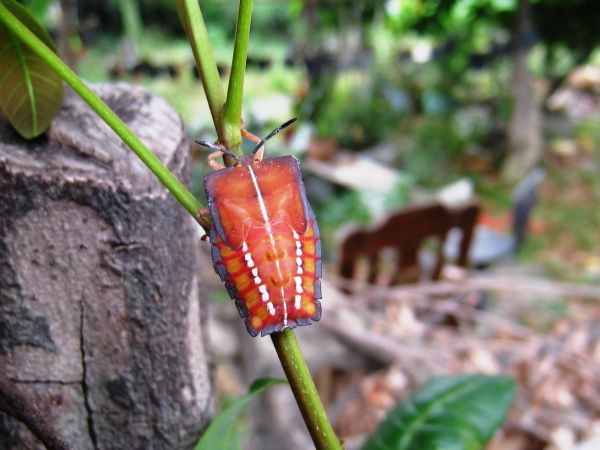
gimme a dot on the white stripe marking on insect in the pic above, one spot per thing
(264, 293)
(285, 314)
(299, 270)
(265, 216)
(249, 260)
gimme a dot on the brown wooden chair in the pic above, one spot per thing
(391, 249)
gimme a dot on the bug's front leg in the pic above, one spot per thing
(250, 136)
(212, 160)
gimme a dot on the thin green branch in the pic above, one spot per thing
(178, 190)
(232, 112)
(304, 390)
(195, 29)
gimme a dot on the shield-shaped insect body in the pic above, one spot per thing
(265, 243)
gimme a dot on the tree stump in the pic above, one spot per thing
(100, 314)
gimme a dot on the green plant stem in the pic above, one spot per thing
(148, 158)
(232, 112)
(304, 390)
(195, 29)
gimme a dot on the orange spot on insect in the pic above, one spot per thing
(308, 280)
(309, 265)
(256, 322)
(242, 282)
(234, 265)
(310, 308)
(261, 314)
(309, 247)
(252, 299)
(225, 251)
(308, 285)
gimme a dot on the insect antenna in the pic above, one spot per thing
(273, 133)
(218, 148)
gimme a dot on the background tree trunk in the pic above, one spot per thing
(525, 143)
(100, 314)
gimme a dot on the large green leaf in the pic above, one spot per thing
(448, 413)
(223, 433)
(30, 91)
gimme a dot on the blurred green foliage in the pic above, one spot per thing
(429, 79)
(38, 8)
(435, 156)
(356, 114)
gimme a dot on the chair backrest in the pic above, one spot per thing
(403, 234)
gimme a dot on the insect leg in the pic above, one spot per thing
(258, 156)
(204, 219)
(250, 136)
(211, 160)
(220, 151)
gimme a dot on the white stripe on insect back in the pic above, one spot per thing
(299, 270)
(265, 216)
(285, 314)
(249, 260)
(262, 288)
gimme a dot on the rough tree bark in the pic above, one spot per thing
(525, 143)
(100, 314)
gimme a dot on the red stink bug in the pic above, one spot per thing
(264, 238)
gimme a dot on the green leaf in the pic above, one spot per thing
(38, 8)
(30, 91)
(223, 432)
(448, 413)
